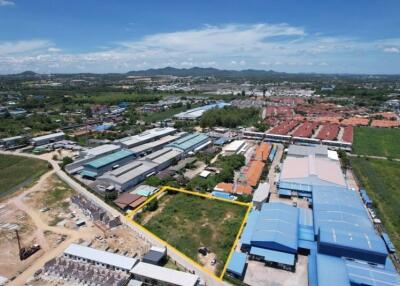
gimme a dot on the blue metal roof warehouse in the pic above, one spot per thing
(343, 227)
(334, 271)
(276, 228)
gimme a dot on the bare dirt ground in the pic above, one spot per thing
(23, 211)
(10, 265)
(122, 241)
(206, 261)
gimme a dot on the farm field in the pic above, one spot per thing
(382, 142)
(16, 172)
(381, 179)
(188, 222)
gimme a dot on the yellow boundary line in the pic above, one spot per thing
(163, 189)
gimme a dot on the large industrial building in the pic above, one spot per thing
(91, 154)
(13, 142)
(336, 233)
(196, 113)
(99, 166)
(300, 173)
(47, 139)
(152, 146)
(133, 173)
(145, 137)
(191, 143)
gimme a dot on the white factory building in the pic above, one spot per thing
(47, 139)
(145, 137)
(133, 173)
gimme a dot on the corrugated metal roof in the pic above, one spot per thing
(189, 141)
(145, 136)
(249, 228)
(274, 256)
(277, 227)
(305, 151)
(99, 150)
(145, 190)
(261, 193)
(365, 274)
(48, 136)
(237, 263)
(331, 271)
(109, 159)
(101, 256)
(198, 111)
(167, 275)
(336, 271)
(367, 242)
(312, 170)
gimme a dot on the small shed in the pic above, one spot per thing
(237, 265)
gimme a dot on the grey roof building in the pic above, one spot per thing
(305, 151)
(145, 137)
(165, 276)
(46, 139)
(131, 174)
(100, 257)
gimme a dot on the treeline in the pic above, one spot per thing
(230, 117)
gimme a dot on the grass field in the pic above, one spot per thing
(189, 222)
(381, 179)
(383, 142)
(16, 172)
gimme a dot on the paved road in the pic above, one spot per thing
(275, 162)
(80, 189)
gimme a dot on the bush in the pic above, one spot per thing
(152, 205)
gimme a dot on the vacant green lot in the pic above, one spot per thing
(383, 142)
(381, 179)
(16, 172)
(189, 222)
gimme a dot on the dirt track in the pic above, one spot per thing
(49, 252)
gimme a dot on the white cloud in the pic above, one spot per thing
(9, 48)
(265, 46)
(7, 3)
(393, 50)
(54, 50)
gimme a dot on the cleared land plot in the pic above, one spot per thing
(188, 222)
(54, 195)
(381, 179)
(16, 172)
(382, 142)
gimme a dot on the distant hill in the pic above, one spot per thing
(197, 71)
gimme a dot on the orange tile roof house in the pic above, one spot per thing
(385, 123)
(262, 152)
(354, 121)
(243, 190)
(224, 187)
(254, 172)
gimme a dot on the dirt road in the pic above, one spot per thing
(41, 228)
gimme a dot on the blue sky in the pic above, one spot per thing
(357, 36)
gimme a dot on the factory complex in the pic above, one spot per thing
(127, 162)
(314, 215)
